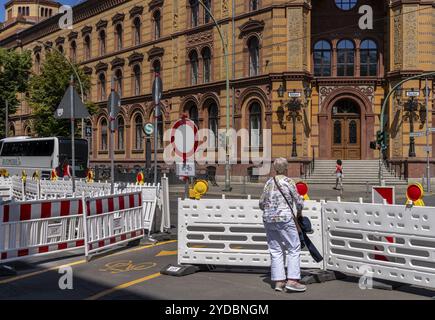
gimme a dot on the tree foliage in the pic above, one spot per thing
(46, 91)
(14, 74)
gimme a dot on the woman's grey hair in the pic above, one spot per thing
(280, 165)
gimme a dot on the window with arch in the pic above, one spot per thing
(103, 130)
(193, 59)
(102, 42)
(137, 79)
(11, 130)
(37, 63)
(118, 81)
(337, 132)
(138, 135)
(120, 134)
(194, 13)
(369, 58)
(345, 58)
(102, 86)
(255, 125)
(137, 26)
(88, 124)
(346, 4)
(87, 47)
(118, 36)
(73, 51)
(157, 27)
(207, 16)
(254, 56)
(28, 131)
(353, 132)
(193, 114)
(322, 59)
(254, 5)
(206, 64)
(60, 48)
(213, 124)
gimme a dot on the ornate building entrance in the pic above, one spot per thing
(346, 130)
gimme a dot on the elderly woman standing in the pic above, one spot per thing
(280, 227)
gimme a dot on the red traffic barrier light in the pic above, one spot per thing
(302, 188)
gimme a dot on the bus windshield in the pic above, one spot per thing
(81, 154)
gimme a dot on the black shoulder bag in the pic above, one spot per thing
(303, 225)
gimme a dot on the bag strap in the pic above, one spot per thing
(298, 227)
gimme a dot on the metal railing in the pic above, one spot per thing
(398, 168)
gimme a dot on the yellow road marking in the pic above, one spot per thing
(167, 253)
(32, 274)
(115, 267)
(123, 286)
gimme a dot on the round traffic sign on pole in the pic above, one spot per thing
(184, 138)
(148, 128)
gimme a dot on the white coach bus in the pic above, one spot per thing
(42, 154)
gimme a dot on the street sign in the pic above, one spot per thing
(412, 93)
(381, 193)
(294, 94)
(88, 131)
(417, 134)
(185, 169)
(64, 109)
(432, 129)
(148, 128)
(427, 149)
(184, 138)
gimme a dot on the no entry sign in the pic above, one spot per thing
(381, 193)
(184, 138)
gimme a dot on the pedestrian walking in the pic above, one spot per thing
(66, 169)
(339, 175)
(281, 230)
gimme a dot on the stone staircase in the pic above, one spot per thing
(356, 172)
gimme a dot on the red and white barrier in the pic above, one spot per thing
(40, 227)
(112, 220)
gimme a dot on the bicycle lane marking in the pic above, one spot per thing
(75, 263)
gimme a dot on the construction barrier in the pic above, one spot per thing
(17, 189)
(112, 220)
(231, 232)
(5, 188)
(357, 233)
(40, 227)
(165, 223)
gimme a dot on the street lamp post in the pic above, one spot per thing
(294, 107)
(227, 85)
(426, 92)
(411, 108)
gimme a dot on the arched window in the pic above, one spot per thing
(118, 82)
(138, 124)
(346, 4)
(255, 125)
(254, 5)
(194, 13)
(87, 47)
(136, 31)
(213, 124)
(37, 63)
(157, 24)
(254, 56)
(12, 130)
(28, 131)
(102, 86)
(206, 60)
(322, 59)
(102, 42)
(193, 114)
(120, 138)
(73, 51)
(118, 36)
(337, 132)
(193, 58)
(60, 48)
(345, 58)
(136, 79)
(369, 58)
(207, 17)
(103, 126)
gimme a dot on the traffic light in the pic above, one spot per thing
(379, 138)
(382, 139)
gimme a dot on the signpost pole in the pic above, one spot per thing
(112, 130)
(157, 95)
(6, 119)
(73, 151)
(428, 183)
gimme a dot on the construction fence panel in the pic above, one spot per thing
(18, 191)
(112, 220)
(231, 232)
(388, 242)
(5, 188)
(32, 189)
(34, 228)
(51, 189)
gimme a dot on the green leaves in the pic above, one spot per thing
(14, 74)
(46, 91)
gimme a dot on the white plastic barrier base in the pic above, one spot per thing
(231, 232)
(383, 241)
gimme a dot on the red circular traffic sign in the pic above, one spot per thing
(184, 137)
(302, 188)
(414, 192)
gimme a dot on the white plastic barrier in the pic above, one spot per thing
(54, 189)
(112, 220)
(36, 228)
(357, 234)
(91, 188)
(18, 191)
(5, 188)
(32, 189)
(231, 232)
(164, 205)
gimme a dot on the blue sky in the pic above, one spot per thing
(2, 5)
